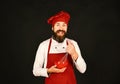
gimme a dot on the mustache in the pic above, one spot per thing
(60, 31)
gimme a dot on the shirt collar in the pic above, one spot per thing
(54, 41)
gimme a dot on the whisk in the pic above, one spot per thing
(63, 62)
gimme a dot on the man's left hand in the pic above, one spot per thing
(71, 50)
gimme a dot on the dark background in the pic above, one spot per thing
(94, 25)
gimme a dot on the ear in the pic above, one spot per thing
(52, 28)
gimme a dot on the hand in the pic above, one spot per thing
(53, 69)
(71, 50)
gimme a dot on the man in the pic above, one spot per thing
(57, 56)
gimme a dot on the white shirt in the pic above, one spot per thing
(40, 63)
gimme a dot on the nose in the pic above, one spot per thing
(61, 28)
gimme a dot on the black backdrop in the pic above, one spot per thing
(94, 25)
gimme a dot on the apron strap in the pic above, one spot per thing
(49, 45)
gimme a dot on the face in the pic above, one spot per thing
(59, 31)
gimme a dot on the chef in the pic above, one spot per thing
(57, 56)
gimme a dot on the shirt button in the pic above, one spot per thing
(55, 47)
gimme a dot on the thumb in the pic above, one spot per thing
(69, 42)
(54, 65)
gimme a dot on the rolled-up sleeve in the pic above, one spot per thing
(80, 62)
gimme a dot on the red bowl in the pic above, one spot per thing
(61, 64)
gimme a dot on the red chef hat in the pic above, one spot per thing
(60, 16)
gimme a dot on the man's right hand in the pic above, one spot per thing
(53, 69)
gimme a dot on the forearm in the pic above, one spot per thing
(80, 65)
(40, 72)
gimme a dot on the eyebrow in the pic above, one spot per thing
(59, 23)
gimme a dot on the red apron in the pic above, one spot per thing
(67, 77)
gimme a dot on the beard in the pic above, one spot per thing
(58, 38)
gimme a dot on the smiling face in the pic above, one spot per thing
(59, 31)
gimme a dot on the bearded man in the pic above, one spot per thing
(57, 56)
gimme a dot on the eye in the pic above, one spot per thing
(64, 25)
(57, 24)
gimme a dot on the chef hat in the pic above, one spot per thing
(60, 16)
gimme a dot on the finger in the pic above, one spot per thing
(54, 66)
(69, 42)
(60, 70)
(63, 69)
